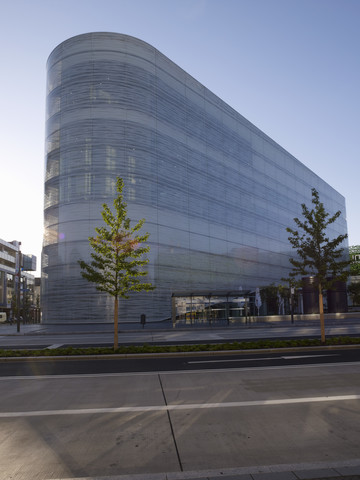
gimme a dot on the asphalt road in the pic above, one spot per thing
(174, 362)
(194, 419)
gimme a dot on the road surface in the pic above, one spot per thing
(260, 415)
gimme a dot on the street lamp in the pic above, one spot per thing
(292, 291)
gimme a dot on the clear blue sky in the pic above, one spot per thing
(292, 67)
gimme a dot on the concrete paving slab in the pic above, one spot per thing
(245, 476)
(86, 445)
(212, 438)
(262, 384)
(79, 392)
(355, 470)
(351, 477)
(274, 476)
(316, 473)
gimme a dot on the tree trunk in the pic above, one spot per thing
(116, 308)
(321, 309)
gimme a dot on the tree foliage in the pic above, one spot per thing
(354, 252)
(317, 254)
(355, 268)
(354, 290)
(118, 256)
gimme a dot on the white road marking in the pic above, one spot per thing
(289, 357)
(56, 345)
(233, 360)
(190, 406)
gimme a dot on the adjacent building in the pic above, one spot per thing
(354, 280)
(354, 253)
(216, 192)
(17, 295)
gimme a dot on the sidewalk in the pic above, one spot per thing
(253, 322)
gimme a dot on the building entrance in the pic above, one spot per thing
(212, 307)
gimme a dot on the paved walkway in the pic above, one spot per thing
(45, 335)
(253, 322)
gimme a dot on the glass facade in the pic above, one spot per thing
(213, 308)
(216, 192)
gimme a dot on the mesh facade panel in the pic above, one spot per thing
(216, 192)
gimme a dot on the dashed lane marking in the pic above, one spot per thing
(254, 359)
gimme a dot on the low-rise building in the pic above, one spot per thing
(17, 294)
(354, 279)
(354, 253)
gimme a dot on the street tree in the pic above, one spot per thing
(354, 252)
(354, 290)
(118, 256)
(317, 254)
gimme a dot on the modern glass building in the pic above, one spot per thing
(216, 192)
